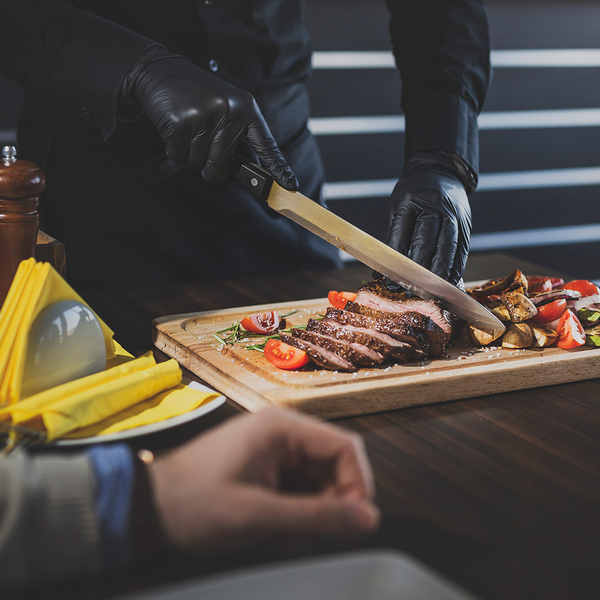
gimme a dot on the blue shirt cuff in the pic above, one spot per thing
(114, 470)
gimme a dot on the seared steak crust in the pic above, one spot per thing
(409, 334)
(357, 354)
(377, 341)
(376, 295)
(438, 338)
(320, 356)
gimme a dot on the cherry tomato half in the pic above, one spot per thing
(539, 284)
(583, 286)
(550, 312)
(339, 299)
(570, 331)
(284, 356)
(261, 322)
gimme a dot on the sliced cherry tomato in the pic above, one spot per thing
(550, 312)
(261, 322)
(570, 331)
(583, 286)
(284, 356)
(539, 284)
(339, 299)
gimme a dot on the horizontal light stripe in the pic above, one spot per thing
(8, 135)
(356, 125)
(527, 238)
(353, 60)
(526, 119)
(554, 58)
(550, 236)
(575, 57)
(515, 180)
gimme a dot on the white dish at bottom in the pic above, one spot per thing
(367, 575)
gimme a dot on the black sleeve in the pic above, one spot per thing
(72, 60)
(442, 51)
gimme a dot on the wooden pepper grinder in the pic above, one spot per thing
(21, 183)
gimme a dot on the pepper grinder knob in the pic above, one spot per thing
(9, 154)
(21, 182)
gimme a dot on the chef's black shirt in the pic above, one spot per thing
(71, 57)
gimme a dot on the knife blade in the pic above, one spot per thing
(364, 247)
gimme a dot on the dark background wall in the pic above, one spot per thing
(539, 196)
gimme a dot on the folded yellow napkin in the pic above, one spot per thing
(130, 392)
(35, 287)
(166, 405)
(91, 399)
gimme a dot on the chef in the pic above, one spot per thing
(134, 109)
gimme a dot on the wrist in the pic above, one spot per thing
(148, 537)
(446, 162)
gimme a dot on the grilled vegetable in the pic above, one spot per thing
(551, 311)
(570, 331)
(516, 281)
(518, 335)
(501, 312)
(543, 336)
(519, 307)
(483, 337)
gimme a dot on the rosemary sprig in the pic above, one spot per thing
(236, 334)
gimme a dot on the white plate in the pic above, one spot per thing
(151, 427)
(367, 575)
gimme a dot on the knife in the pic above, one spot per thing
(362, 246)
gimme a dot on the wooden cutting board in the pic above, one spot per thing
(249, 379)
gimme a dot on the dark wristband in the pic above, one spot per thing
(148, 538)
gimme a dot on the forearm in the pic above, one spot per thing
(49, 528)
(442, 52)
(72, 60)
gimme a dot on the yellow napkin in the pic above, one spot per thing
(91, 399)
(166, 405)
(130, 392)
(35, 287)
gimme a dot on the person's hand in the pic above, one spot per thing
(202, 118)
(430, 215)
(274, 474)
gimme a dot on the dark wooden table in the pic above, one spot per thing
(501, 494)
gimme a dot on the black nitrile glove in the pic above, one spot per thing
(430, 215)
(202, 118)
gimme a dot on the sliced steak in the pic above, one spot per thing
(320, 356)
(357, 354)
(438, 338)
(380, 342)
(405, 333)
(376, 295)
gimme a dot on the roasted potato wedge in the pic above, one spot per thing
(483, 337)
(518, 335)
(502, 313)
(519, 307)
(543, 336)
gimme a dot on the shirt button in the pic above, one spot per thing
(208, 2)
(213, 65)
(86, 111)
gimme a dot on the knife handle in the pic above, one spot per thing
(259, 180)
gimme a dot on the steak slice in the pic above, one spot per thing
(380, 342)
(320, 356)
(376, 295)
(405, 333)
(357, 354)
(438, 338)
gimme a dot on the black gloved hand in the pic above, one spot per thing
(202, 118)
(430, 215)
